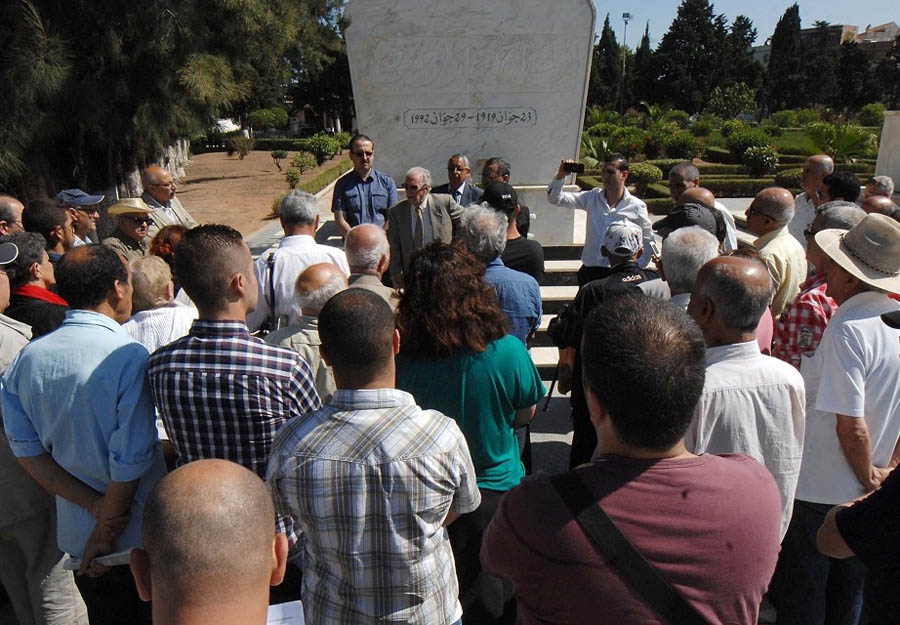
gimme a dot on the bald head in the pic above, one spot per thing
(316, 285)
(367, 249)
(158, 183)
(698, 195)
(879, 204)
(814, 169)
(10, 215)
(208, 532)
(738, 290)
(775, 207)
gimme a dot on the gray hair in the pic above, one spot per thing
(6, 208)
(150, 276)
(685, 170)
(420, 172)
(299, 208)
(840, 214)
(463, 158)
(684, 252)
(314, 300)
(883, 184)
(359, 256)
(738, 305)
(483, 230)
(771, 207)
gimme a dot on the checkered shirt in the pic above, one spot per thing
(369, 479)
(223, 394)
(802, 323)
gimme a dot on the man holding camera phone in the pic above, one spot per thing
(604, 205)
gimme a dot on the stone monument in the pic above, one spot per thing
(889, 149)
(433, 78)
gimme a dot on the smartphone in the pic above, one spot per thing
(654, 248)
(573, 168)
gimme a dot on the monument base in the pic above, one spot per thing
(889, 150)
(551, 225)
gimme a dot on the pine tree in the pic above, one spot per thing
(737, 58)
(820, 64)
(644, 79)
(785, 73)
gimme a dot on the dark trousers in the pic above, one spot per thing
(112, 598)
(584, 438)
(479, 598)
(808, 587)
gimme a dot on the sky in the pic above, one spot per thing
(764, 13)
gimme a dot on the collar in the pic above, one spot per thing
(813, 282)
(127, 240)
(16, 326)
(769, 236)
(367, 399)
(867, 299)
(497, 262)
(628, 265)
(364, 278)
(152, 201)
(34, 291)
(734, 351)
(209, 329)
(80, 316)
(369, 178)
(297, 240)
(460, 188)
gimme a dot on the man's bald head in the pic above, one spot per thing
(10, 214)
(208, 531)
(776, 204)
(367, 249)
(698, 195)
(738, 289)
(879, 204)
(158, 182)
(317, 284)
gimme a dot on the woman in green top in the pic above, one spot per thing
(456, 358)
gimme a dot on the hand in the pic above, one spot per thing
(98, 544)
(877, 477)
(561, 172)
(564, 377)
(111, 527)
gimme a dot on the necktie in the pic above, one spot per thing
(457, 195)
(419, 233)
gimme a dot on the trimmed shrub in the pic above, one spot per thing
(871, 115)
(717, 169)
(760, 160)
(240, 145)
(784, 119)
(681, 145)
(738, 187)
(316, 184)
(343, 138)
(789, 178)
(807, 116)
(729, 127)
(701, 128)
(741, 139)
(642, 175)
(303, 162)
(771, 130)
(627, 140)
(323, 145)
(292, 176)
(657, 190)
(277, 156)
(715, 154)
(659, 206)
(677, 116)
(268, 118)
(665, 164)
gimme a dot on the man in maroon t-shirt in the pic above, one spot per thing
(709, 524)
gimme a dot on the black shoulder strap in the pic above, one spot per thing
(270, 322)
(622, 554)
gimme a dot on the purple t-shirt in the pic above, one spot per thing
(710, 524)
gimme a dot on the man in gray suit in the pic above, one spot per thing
(460, 187)
(418, 220)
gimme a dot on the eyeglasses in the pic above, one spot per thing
(141, 221)
(457, 169)
(413, 189)
(753, 211)
(361, 154)
(163, 184)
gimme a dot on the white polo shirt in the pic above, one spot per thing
(855, 371)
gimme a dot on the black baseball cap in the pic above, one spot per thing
(500, 196)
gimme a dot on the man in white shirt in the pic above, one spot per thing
(684, 176)
(751, 403)
(277, 269)
(604, 205)
(852, 421)
(814, 170)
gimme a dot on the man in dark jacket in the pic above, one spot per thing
(30, 278)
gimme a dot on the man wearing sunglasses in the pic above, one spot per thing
(130, 236)
(364, 195)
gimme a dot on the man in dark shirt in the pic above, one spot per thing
(364, 195)
(622, 245)
(521, 253)
(31, 275)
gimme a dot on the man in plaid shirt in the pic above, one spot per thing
(372, 480)
(802, 323)
(222, 393)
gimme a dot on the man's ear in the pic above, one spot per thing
(4, 227)
(58, 233)
(35, 271)
(279, 559)
(597, 412)
(396, 341)
(140, 570)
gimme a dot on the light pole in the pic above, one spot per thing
(625, 18)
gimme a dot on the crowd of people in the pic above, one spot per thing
(199, 434)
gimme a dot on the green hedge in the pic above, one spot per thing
(715, 154)
(316, 184)
(659, 206)
(738, 187)
(721, 169)
(656, 190)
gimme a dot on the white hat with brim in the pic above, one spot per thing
(870, 251)
(128, 205)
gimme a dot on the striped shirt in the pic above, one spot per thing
(223, 394)
(370, 479)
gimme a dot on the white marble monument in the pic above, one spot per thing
(509, 79)
(889, 149)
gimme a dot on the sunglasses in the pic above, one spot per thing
(140, 220)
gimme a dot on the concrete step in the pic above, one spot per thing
(562, 252)
(541, 338)
(545, 359)
(553, 297)
(560, 272)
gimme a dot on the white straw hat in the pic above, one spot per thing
(869, 251)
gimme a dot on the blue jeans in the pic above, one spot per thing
(810, 588)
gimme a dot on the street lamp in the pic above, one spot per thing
(625, 18)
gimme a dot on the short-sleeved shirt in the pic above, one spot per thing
(80, 394)
(520, 298)
(786, 261)
(370, 479)
(709, 524)
(364, 201)
(525, 255)
(482, 392)
(871, 528)
(803, 322)
(855, 371)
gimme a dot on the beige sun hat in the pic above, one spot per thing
(869, 251)
(129, 205)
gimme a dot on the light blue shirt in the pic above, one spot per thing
(519, 296)
(80, 393)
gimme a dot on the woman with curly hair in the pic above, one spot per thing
(164, 244)
(456, 358)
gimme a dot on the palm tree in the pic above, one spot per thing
(842, 142)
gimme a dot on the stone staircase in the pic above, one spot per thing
(558, 287)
